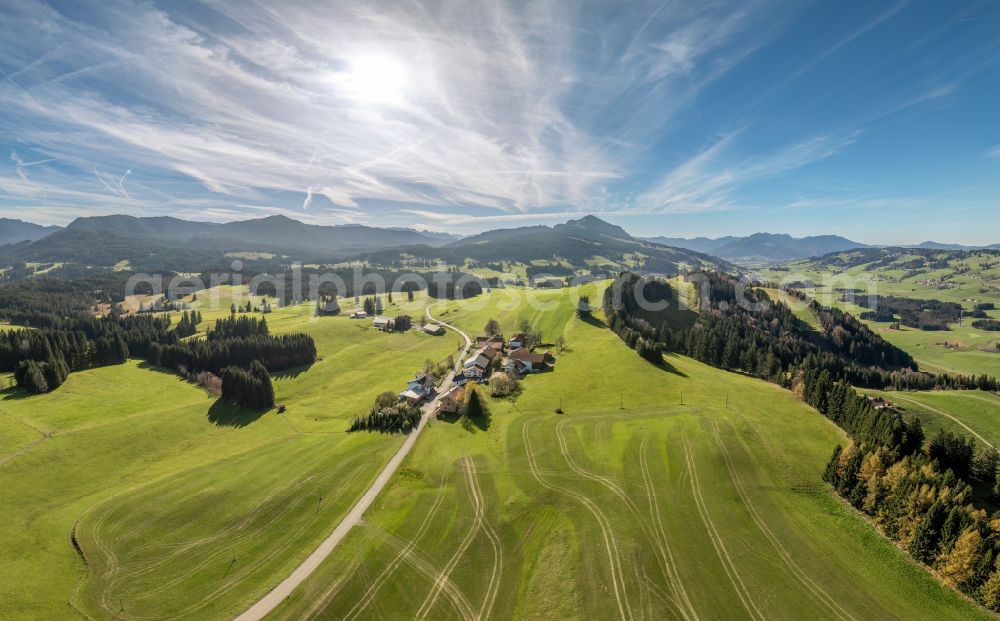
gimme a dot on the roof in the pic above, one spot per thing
(412, 394)
(453, 394)
(381, 321)
(518, 337)
(477, 361)
(522, 354)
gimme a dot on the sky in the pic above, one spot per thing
(877, 120)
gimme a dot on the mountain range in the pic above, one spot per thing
(763, 247)
(106, 240)
(586, 242)
(185, 245)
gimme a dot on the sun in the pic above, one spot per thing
(376, 79)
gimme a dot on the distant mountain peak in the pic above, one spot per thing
(595, 225)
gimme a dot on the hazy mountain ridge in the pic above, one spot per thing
(13, 231)
(766, 247)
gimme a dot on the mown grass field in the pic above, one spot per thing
(968, 413)
(677, 492)
(185, 508)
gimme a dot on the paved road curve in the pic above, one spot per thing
(271, 601)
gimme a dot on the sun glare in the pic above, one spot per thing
(377, 79)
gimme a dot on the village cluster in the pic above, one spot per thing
(492, 354)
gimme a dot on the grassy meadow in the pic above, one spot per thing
(185, 508)
(970, 413)
(960, 350)
(676, 492)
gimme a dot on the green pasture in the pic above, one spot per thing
(673, 492)
(182, 507)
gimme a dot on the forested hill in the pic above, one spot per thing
(581, 242)
(765, 339)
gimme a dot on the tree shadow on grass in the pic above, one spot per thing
(472, 424)
(669, 368)
(594, 321)
(293, 372)
(146, 366)
(16, 394)
(227, 414)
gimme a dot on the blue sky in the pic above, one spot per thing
(876, 120)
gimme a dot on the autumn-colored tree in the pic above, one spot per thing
(957, 566)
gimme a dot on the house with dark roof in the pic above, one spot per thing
(523, 361)
(419, 388)
(477, 365)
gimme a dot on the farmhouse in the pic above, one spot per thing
(881, 404)
(434, 329)
(478, 364)
(358, 314)
(451, 401)
(523, 361)
(494, 342)
(384, 324)
(419, 388)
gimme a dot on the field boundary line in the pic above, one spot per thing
(494, 586)
(369, 595)
(946, 415)
(611, 546)
(445, 573)
(647, 529)
(806, 581)
(677, 584)
(720, 548)
(273, 598)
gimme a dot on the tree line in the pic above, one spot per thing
(764, 339)
(388, 415)
(919, 314)
(921, 498)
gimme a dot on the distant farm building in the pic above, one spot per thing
(434, 329)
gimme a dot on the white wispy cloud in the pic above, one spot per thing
(993, 152)
(709, 180)
(504, 107)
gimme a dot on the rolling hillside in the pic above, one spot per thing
(681, 494)
(963, 277)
